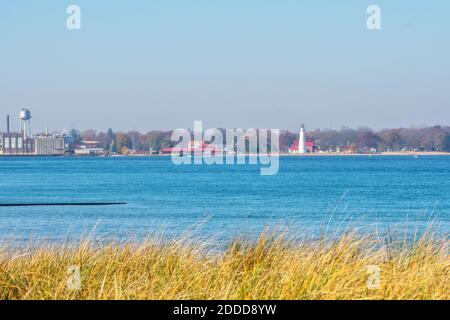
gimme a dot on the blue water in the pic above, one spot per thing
(309, 196)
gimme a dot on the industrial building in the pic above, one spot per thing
(49, 145)
(15, 144)
(24, 144)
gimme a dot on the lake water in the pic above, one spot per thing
(309, 195)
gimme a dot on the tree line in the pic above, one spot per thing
(435, 138)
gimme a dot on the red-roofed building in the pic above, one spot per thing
(311, 147)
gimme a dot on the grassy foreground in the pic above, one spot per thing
(270, 268)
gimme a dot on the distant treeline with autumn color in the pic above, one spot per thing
(436, 138)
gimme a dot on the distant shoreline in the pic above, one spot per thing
(323, 154)
(330, 154)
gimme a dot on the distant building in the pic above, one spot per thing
(14, 144)
(139, 152)
(310, 147)
(23, 144)
(195, 147)
(89, 148)
(49, 145)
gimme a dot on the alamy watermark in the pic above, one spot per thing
(226, 146)
(73, 21)
(374, 279)
(374, 19)
(74, 278)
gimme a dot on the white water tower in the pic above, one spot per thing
(25, 128)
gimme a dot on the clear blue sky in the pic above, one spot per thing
(161, 64)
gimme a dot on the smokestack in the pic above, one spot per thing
(7, 124)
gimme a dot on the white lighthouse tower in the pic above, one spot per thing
(302, 141)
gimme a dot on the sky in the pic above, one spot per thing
(162, 64)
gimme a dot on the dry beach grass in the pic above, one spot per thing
(269, 268)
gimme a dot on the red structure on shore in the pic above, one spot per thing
(310, 147)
